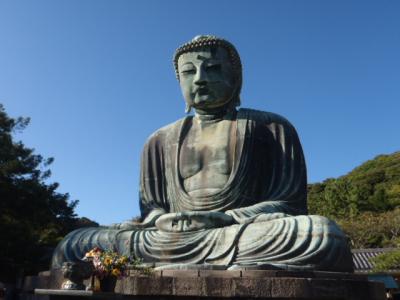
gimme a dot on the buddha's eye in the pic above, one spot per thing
(192, 71)
(188, 70)
(213, 67)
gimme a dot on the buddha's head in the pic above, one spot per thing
(209, 71)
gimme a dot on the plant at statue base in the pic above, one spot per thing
(109, 263)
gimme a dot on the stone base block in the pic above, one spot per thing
(251, 284)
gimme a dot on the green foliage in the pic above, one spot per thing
(387, 261)
(34, 216)
(364, 202)
(374, 186)
(373, 230)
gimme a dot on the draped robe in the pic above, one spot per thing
(265, 194)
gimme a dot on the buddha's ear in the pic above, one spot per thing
(236, 95)
(237, 103)
(188, 108)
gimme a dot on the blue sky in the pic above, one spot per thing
(96, 78)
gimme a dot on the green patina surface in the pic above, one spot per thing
(222, 189)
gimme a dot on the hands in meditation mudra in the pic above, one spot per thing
(223, 189)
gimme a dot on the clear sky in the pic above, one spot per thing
(96, 78)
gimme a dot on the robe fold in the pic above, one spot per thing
(265, 194)
(269, 173)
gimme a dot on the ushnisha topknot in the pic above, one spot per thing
(202, 41)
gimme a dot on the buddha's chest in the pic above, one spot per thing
(208, 149)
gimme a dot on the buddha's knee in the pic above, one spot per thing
(326, 225)
(74, 246)
(292, 226)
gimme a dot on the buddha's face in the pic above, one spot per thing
(206, 78)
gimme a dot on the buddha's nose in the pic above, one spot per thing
(201, 77)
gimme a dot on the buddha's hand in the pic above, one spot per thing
(127, 225)
(193, 221)
(148, 221)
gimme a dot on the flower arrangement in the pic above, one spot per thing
(108, 263)
(109, 266)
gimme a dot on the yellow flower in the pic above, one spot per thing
(116, 272)
(123, 260)
(107, 261)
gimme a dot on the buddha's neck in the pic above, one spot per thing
(215, 116)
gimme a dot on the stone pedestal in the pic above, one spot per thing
(212, 284)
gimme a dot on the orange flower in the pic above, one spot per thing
(116, 272)
(92, 253)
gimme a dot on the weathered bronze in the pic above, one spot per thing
(223, 189)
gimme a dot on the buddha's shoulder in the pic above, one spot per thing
(165, 132)
(264, 117)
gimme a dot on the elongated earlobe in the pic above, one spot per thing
(188, 108)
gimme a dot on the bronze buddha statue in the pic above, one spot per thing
(225, 188)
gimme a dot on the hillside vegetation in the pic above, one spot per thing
(34, 216)
(365, 202)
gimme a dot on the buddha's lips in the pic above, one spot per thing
(202, 91)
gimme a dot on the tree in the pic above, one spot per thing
(365, 202)
(387, 261)
(372, 229)
(34, 216)
(374, 186)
